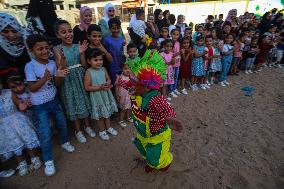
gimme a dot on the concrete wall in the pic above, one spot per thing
(198, 12)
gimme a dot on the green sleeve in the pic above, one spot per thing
(104, 27)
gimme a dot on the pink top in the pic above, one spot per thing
(176, 51)
(238, 51)
(170, 72)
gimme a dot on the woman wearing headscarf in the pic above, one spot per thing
(166, 21)
(13, 53)
(158, 13)
(152, 29)
(80, 31)
(41, 17)
(109, 12)
(265, 22)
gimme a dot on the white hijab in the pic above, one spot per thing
(106, 8)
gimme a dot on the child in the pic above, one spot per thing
(226, 59)
(95, 38)
(114, 45)
(280, 48)
(168, 56)
(186, 62)
(237, 56)
(251, 52)
(16, 131)
(216, 63)
(132, 53)
(181, 25)
(153, 137)
(164, 36)
(264, 47)
(176, 50)
(75, 98)
(98, 83)
(209, 58)
(188, 33)
(139, 28)
(172, 20)
(42, 76)
(122, 95)
(198, 68)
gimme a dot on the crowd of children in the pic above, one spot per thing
(89, 80)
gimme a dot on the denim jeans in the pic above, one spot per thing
(176, 74)
(249, 63)
(226, 64)
(41, 113)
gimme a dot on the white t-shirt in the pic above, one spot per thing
(227, 47)
(35, 71)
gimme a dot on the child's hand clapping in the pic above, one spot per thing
(83, 46)
(62, 72)
(47, 75)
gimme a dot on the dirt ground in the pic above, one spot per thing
(229, 141)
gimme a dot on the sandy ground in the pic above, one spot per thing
(229, 141)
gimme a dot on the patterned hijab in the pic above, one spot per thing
(83, 25)
(13, 48)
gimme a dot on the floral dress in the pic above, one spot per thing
(103, 102)
(198, 67)
(124, 102)
(16, 129)
(74, 96)
(216, 64)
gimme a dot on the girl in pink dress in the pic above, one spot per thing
(169, 58)
(122, 95)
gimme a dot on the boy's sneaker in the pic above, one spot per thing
(49, 169)
(202, 86)
(222, 84)
(177, 92)
(169, 98)
(226, 82)
(194, 87)
(207, 86)
(7, 173)
(250, 71)
(68, 147)
(23, 168)
(90, 132)
(246, 72)
(122, 124)
(112, 131)
(104, 135)
(173, 95)
(80, 137)
(183, 91)
(279, 65)
(36, 163)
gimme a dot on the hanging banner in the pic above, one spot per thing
(131, 4)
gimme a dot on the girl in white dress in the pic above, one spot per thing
(16, 131)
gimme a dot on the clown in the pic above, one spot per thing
(153, 116)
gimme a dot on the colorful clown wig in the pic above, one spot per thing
(150, 71)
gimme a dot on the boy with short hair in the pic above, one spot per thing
(43, 76)
(114, 45)
(132, 53)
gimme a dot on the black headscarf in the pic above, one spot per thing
(264, 24)
(45, 10)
